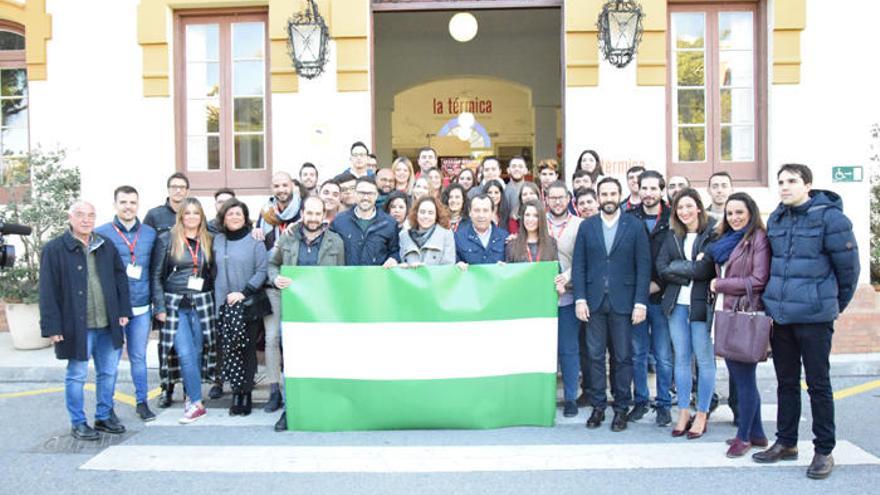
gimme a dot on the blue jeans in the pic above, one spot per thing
(691, 339)
(653, 332)
(99, 347)
(749, 400)
(568, 350)
(188, 345)
(137, 334)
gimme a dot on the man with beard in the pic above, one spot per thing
(563, 227)
(676, 183)
(306, 244)
(308, 177)
(282, 210)
(653, 333)
(164, 216)
(330, 193)
(427, 160)
(370, 235)
(586, 201)
(385, 183)
(611, 274)
(517, 168)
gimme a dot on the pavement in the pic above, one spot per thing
(222, 454)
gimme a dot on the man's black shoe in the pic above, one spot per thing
(143, 411)
(275, 402)
(777, 452)
(664, 418)
(216, 391)
(583, 400)
(619, 421)
(281, 424)
(83, 431)
(109, 425)
(638, 412)
(596, 418)
(570, 409)
(821, 467)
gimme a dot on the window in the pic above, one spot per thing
(715, 93)
(14, 144)
(221, 101)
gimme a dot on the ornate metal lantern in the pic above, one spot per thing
(308, 39)
(620, 30)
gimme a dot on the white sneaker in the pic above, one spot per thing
(193, 413)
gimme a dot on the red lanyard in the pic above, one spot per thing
(195, 256)
(562, 230)
(131, 245)
(537, 256)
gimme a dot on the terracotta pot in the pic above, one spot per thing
(24, 326)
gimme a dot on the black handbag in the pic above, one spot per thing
(256, 305)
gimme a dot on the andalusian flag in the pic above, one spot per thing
(367, 348)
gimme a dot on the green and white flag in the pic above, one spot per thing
(367, 348)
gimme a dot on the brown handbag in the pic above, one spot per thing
(743, 334)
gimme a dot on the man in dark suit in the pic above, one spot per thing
(611, 274)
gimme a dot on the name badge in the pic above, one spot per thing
(195, 283)
(134, 271)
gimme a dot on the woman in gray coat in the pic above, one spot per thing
(428, 241)
(241, 273)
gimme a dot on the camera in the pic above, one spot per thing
(7, 251)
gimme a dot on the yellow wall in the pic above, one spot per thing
(348, 21)
(37, 30)
(789, 19)
(581, 42)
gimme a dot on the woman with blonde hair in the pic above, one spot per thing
(182, 285)
(403, 174)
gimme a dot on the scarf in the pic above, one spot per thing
(272, 217)
(724, 246)
(235, 235)
(420, 237)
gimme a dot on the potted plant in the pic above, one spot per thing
(39, 200)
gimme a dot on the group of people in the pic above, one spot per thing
(641, 272)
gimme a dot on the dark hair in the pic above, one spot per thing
(344, 177)
(755, 220)
(596, 171)
(520, 245)
(548, 163)
(332, 182)
(518, 157)
(441, 216)
(652, 174)
(455, 186)
(124, 190)
(579, 172)
(368, 179)
(530, 185)
(358, 144)
(372, 155)
(676, 224)
(612, 180)
(503, 207)
(228, 205)
(177, 175)
(308, 165)
(223, 190)
(720, 174)
(558, 184)
(473, 176)
(634, 168)
(481, 197)
(392, 196)
(584, 191)
(489, 157)
(796, 168)
(428, 148)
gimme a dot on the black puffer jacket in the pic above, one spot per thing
(677, 271)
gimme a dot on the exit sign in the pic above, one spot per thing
(847, 174)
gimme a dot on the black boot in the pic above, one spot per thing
(235, 408)
(275, 402)
(246, 405)
(164, 400)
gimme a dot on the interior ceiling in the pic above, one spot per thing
(526, 22)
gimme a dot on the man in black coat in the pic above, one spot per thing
(84, 305)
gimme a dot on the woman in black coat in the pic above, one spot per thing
(682, 264)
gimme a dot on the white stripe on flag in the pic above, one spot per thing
(419, 350)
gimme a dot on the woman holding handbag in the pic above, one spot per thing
(682, 263)
(742, 261)
(240, 299)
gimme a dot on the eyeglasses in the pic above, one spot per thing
(366, 193)
(347, 189)
(358, 155)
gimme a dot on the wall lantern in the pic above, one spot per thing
(307, 40)
(463, 27)
(620, 30)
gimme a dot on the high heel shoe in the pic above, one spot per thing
(692, 435)
(678, 433)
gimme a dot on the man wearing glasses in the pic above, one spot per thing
(359, 159)
(369, 235)
(162, 217)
